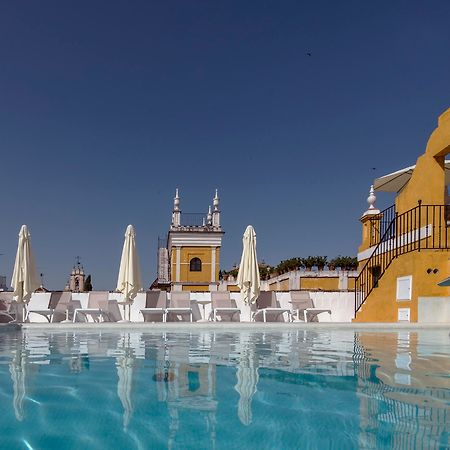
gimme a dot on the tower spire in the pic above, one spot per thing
(216, 211)
(209, 216)
(216, 201)
(176, 201)
(176, 213)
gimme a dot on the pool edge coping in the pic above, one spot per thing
(230, 326)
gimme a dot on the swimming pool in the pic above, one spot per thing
(312, 389)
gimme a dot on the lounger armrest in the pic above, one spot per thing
(179, 309)
(276, 310)
(318, 310)
(272, 310)
(227, 309)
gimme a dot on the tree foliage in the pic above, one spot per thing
(298, 263)
(88, 284)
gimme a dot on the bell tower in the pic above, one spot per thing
(193, 248)
(77, 278)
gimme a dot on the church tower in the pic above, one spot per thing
(76, 279)
(191, 257)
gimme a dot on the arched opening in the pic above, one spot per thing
(195, 265)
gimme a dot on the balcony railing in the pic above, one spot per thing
(379, 226)
(425, 227)
(193, 220)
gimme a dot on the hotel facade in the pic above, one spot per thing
(405, 249)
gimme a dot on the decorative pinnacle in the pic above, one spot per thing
(216, 201)
(209, 216)
(176, 201)
(371, 198)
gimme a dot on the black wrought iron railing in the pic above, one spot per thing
(425, 227)
(380, 225)
(193, 219)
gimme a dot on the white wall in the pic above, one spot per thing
(434, 309)
(40, 300)
(341, 305)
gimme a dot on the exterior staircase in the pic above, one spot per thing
(424, 227)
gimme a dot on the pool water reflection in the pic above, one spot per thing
(294, 389)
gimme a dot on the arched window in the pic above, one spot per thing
(195, 265)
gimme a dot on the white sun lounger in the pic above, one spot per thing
(222, 306)
(96, 308)
(59, 307)
(180, 305)
(38, 302)
(267, 306)
(111, 310)
(303, 306)
(7, 307)
(155, 306)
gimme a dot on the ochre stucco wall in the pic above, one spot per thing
(351, 283)
(232, 288)
(186, 254)
(280, 286)
(320, 283)
(381, 305)
(428, 179)
(195, 287)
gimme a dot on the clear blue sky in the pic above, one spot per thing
(106, 107)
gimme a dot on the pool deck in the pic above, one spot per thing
(230, 326)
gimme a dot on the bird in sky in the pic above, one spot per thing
(308, 54)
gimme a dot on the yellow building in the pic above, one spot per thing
(190, 259)
(405, 249)
(322, 280)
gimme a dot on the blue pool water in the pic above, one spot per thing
(325, 389)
